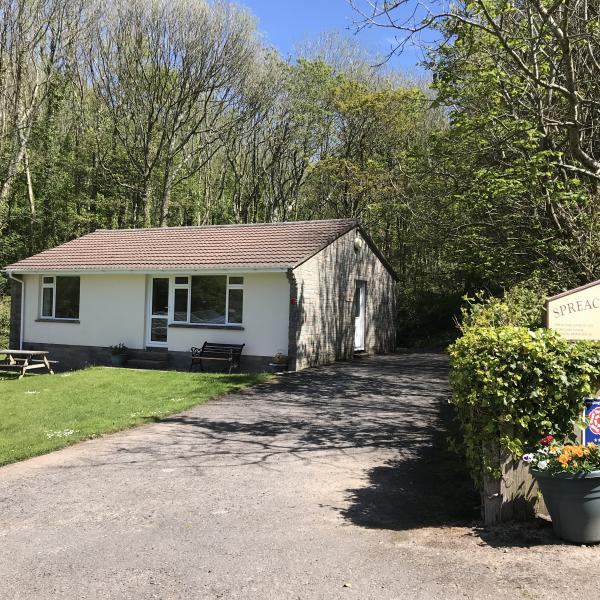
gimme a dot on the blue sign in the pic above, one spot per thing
(592, 417)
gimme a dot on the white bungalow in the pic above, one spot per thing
(317, 291)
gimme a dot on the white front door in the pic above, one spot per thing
(359, 315)
(158, 312)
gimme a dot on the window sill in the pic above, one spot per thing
(205, 326)
(50, 320)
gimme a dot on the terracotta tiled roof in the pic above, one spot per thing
(263, 245)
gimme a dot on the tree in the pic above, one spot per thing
(149, 112)
(35, 41)
(520, 82)
(164, 71)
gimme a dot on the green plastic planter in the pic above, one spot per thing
(118, 360)
(573, 502)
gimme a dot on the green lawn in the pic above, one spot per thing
(41, 413)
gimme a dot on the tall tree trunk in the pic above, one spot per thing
(30, 193)
(13, 169)
(145, 204)
(166, 193)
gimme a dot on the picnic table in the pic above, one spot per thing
(25, 360)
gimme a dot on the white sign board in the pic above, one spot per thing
(576, 314)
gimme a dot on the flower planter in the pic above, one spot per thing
(118, 360)
(573, 501)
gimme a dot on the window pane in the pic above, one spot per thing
(236, 300)
(48, 279)
(67, 298)
(158, 330)
(181, 301)
(208, 299)
(160, 296)
(236, 280)
(181, 280)
(47, 295)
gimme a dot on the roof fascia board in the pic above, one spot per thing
(378, 253)
(182, 271)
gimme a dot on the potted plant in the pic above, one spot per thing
(118, 355)
(568, 475)
(279, 362)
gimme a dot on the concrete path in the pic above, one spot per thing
(332, 483)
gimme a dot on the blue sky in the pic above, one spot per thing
(285, 23)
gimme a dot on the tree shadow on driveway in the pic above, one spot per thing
(428, 486)
(379, 404)
(393, 408)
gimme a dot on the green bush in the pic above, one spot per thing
(4, 320)
(512, 385)
(522, 306)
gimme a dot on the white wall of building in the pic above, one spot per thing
(265, 320)
(113, 310)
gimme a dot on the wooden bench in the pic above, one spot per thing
(229, 353)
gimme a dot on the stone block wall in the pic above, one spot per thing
(322, 321)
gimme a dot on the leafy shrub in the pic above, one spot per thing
(522, 306)
(119, 349)
(512, 385)
(4, 321)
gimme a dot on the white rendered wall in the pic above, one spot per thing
(266, 319)
(111, 311)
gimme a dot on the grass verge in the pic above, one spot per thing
(42, 413)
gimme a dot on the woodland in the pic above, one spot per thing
(482, 174)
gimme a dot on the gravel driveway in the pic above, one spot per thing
(331, 483)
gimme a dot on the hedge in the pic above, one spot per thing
(4, 321)
(511, 386)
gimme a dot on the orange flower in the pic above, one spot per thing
(578, 451)
(563, 459)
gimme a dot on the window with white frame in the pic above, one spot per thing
(60, 297)
(208, 299)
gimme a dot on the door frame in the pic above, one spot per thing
(361, 284)
(149, 316)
